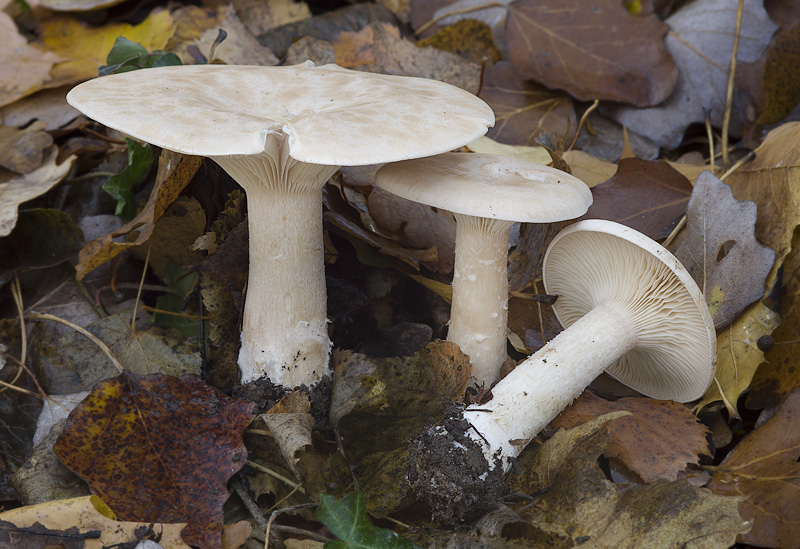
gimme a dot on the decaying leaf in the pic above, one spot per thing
(764, 468)
(158, 448)
(487, 145)
(656, 441)
(290, 423)
(577, 505)
(610, 54)
(782, 92)
(378, 405)
(470, 39)
(738, 355)
(16, 189)
(701, 42)
(524, 109)
(73, 363)
(84, 49)
(720, 250)
(644, 195)
(24, 68)
(174, 173)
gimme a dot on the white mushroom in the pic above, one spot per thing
(629, 307)
(487, 194)
(281, 132)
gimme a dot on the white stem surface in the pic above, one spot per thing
(284, 334)
(539, 388)
(479, 312)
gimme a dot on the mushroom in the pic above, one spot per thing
(629, 307)
(281, 132)
(487, 193)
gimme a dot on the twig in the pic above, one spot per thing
(710, 134)
(586, 114)
(675, 232)
(141, 285)
(150, 309)
(278, 476)
(251, 505)
(275, 514)
(16, 293)
(726, 120)
(739, 163)
(300, 532)
(103, 347)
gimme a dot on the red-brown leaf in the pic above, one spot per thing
(594, 50)
(159, 448)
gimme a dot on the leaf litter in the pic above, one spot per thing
(606, 479)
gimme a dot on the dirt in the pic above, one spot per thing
(449, 472)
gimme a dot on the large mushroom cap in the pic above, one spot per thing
(489, 186)
(331, 115)
(596, 261)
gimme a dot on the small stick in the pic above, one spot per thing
(278, 476)
(586, 114)
(103, 347)
(435, 20)
(726, 120)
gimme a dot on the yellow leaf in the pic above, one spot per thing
(84, 49)
(738, 355)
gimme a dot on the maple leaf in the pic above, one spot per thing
(158, 448)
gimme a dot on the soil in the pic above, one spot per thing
(449, 472)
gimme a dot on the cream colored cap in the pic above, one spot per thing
(597, 261)
(489, 186)
(331, 115)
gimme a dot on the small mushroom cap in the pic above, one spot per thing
(596, 261)
(331, 115)
(488, 186)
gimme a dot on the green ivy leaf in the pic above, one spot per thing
(127, 56)
(120, 186)
(347, 520)
(176, 277)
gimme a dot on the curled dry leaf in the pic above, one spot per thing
(240, 47)
(290, 423)
(174, 173)
(17, 189)
(600, 51)
(701, 42)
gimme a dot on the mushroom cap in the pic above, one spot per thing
(489, 186)
(597, 261)
(331, 115)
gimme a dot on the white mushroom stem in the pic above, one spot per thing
(539, 388)
(479, 311)
(284, 334)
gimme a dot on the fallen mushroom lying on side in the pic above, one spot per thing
(281, 132)
(487, 193)
(629, 307)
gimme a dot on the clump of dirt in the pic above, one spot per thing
(448, 471)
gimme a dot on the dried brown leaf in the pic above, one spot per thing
(600, 51)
